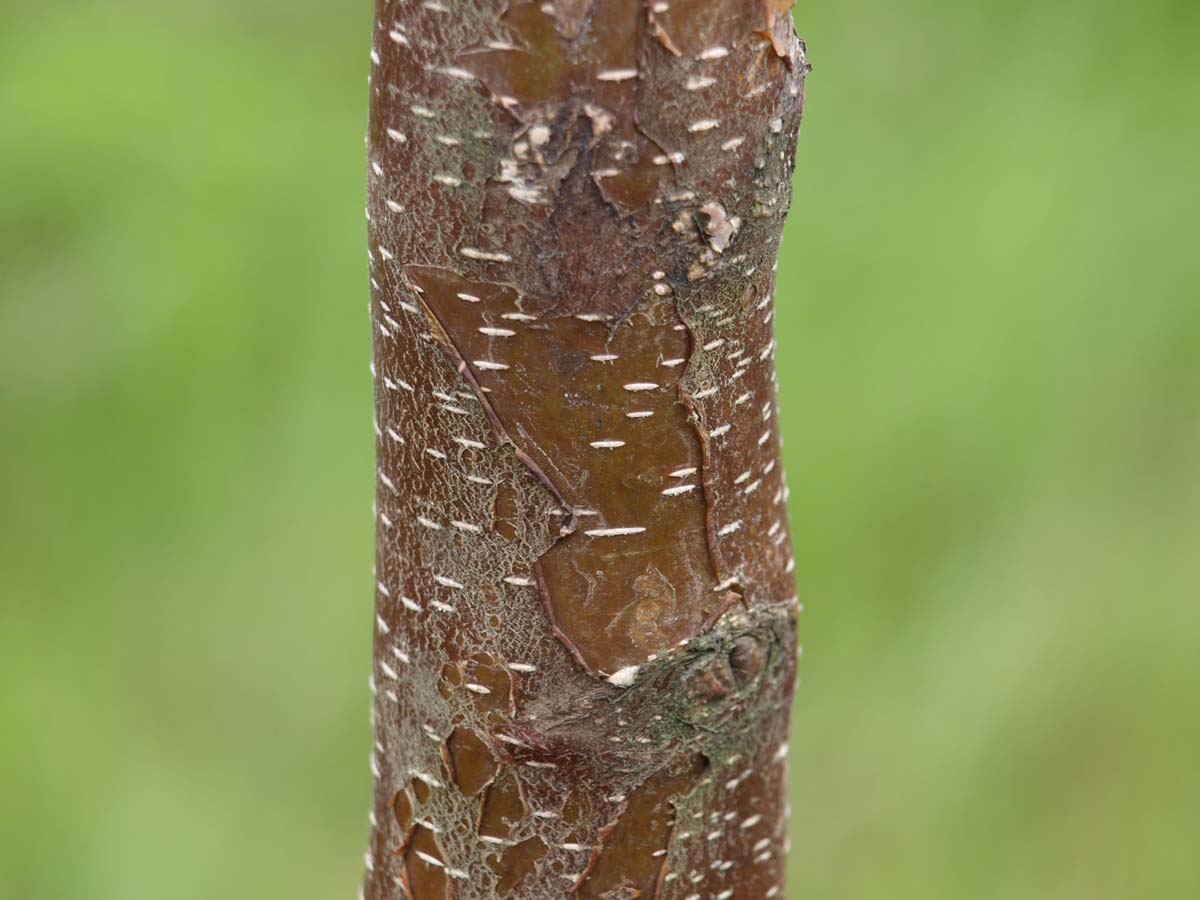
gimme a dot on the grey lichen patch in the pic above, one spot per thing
(738, 671)
(703, 696)
(728, 840)
(707, 739)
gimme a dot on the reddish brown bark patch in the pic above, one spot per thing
(485, 680)
(633, 576)
(540, 68)
(424, 871)
(631, 859)
(470, 761)
(402, 810)
(698, 26)
(420, 790)
(517, 863)
(505, 512)
(503, 807)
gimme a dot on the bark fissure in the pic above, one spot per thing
(443, 336)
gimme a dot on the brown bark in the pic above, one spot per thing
(584, 652)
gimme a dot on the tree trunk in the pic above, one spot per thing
(584, 647)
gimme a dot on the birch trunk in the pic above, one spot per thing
(584, 646)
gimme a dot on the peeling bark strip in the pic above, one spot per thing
(585, 611)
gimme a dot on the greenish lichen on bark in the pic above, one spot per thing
(585, 611)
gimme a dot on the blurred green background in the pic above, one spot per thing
(990, 330)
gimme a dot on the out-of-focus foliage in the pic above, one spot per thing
(989, 330)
